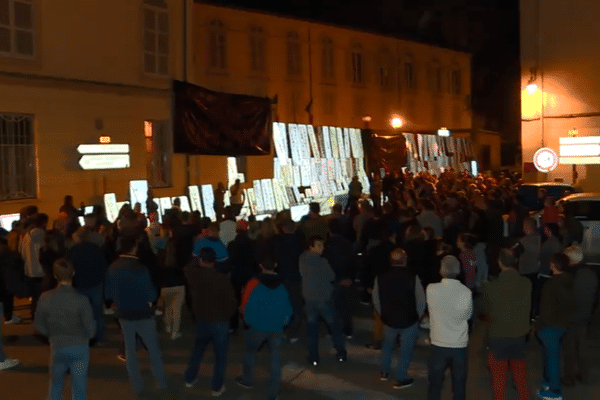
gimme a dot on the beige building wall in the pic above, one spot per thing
(560, 56)
(86, 70)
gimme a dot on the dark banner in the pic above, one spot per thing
(385, 150)
(213, 123)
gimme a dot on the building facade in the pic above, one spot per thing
(559, 82)
(67, 77)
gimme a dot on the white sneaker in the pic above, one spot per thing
(109, 311)
(176, 335)
(8, 363)
(14, 320)
(217, 393)
(158, 313)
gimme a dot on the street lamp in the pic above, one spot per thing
(396, 122)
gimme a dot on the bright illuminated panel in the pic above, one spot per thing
(268, 194)
(305, 172)
(148, 129)
(443, 132)
(231, 170)
(346, 133)
(258, 193)
(251, 200)
(340, 141)
(299, 211)
(7, 220)
(579, 160)
(580, 150)
(195, 198)
(103, 148)
(313, 142)
(335, 149)
(326, 141)
(295, 143)
(304, 142)
(474, 168)
(579, 140)
(165, 204)
(138, 193)
(359, 144)
(110, 205)
(279, 140)
(184, 203)
(297, 177)
(208, 198)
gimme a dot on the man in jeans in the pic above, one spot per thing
(399, 298)
(213, 304)
(66, 318)
(90, 266)
(267, 310)
(450, 306)
(317, 290)
(506, 302)
(557, 308)
(129, 285)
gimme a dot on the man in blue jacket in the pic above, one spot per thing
(267, 310)
(129, 285)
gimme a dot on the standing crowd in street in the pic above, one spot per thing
(433, 253)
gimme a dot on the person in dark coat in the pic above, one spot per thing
(243, 258)
(338, 251)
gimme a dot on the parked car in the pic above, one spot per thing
(529, 191)
(586, 208)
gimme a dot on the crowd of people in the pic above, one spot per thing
(423, 250)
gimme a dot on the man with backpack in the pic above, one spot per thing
(266, 308)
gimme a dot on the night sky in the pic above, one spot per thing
(489, 29)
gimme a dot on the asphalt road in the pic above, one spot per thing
(357, 379)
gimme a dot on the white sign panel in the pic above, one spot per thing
(297, 176)
(304, 142)
(335, 149)
(258, 193)
(251, 200)
(359, 144)
(6, 220)
(104, 161)
(195, 198)
(184, 204)
(299, 211)
(110, 205)
(138, 193)
(165, 204)
(346, 133)
(268, 194)
(580, 150)
(313, 142)
(280, 143)
(120, 204)
(208, 198)
(305, 172)
(103, 148)
(295, 143)
(340, 141)
(326, 142)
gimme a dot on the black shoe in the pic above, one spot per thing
(374, 346)
(583, 379)
(404, 384)
(240, 381)
(383, 376)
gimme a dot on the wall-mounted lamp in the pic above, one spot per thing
(396, 122)
(531, 85)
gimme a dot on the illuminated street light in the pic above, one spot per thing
(396, 122)
(532, 87)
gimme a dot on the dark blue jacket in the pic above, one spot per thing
(129, 285)
(89, 262)
(265, 303)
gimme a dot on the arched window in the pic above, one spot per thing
(217, 45)
(257, 49)
(294, 64)
(327, 52)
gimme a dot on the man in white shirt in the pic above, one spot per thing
(450, 306)
(30, 245)
(227, 233)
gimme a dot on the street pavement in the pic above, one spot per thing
(357, 379)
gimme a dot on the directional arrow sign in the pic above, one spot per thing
(580, 150)
(104, 161)
(102, 148)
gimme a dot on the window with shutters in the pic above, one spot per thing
(294, 65)
(217, 46)
(357, 65)
(327, 51)
(18, 178)
(156, 37)
(257, 50)
(159, 152)
(17, 28)
(409, 73)
(456, 81)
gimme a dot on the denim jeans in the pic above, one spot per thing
(96, 297)
(408, 337)
(294, 290)
(551, 338)
(441, 358)
(343, 306)
(146, 329)
(218, 333)
(254, 339)
(2, 354)
(325, 310)
(74, 360)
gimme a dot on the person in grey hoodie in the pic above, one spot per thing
(317, 291)
(66, 318)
